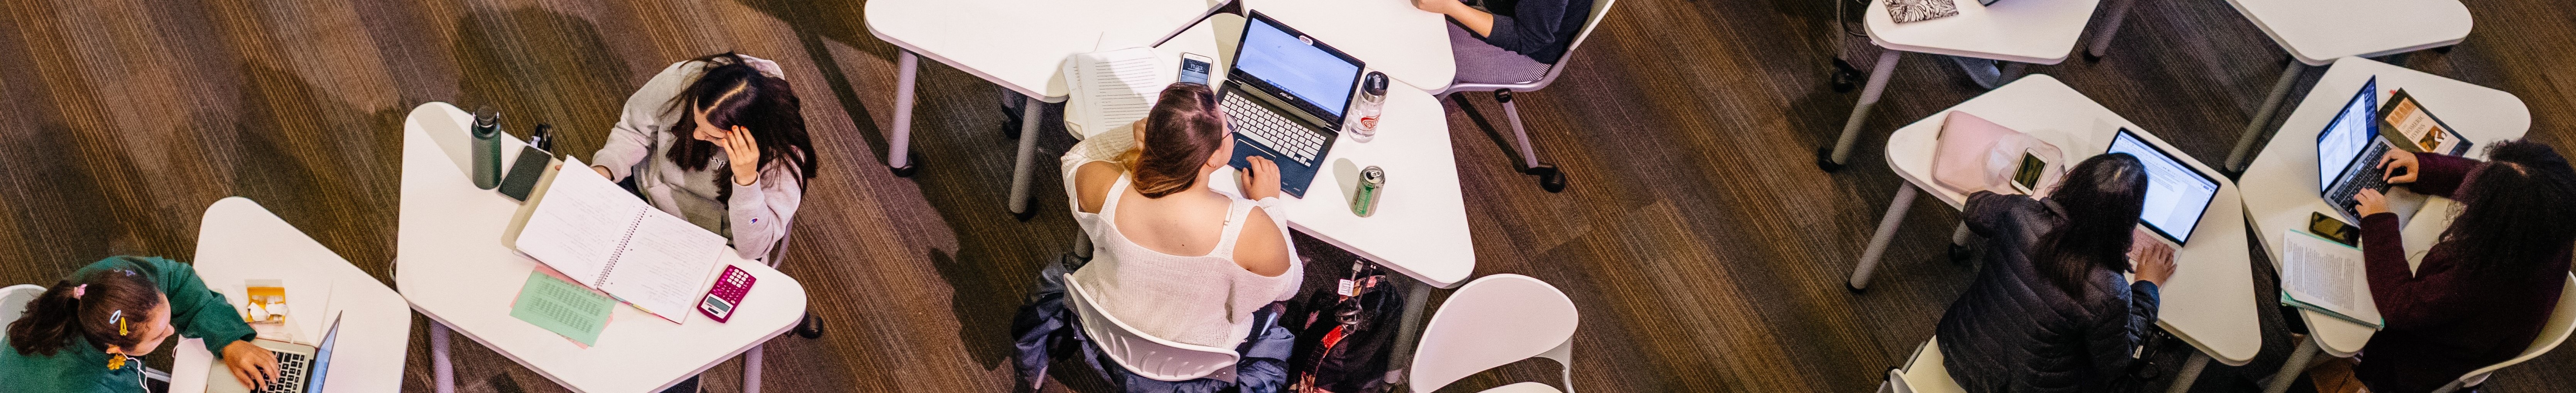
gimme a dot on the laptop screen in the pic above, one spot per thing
(1308, 73)
(2340, 146)
(322, 358)
(2176, 193)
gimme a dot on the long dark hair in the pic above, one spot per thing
(2518, 207)
(736, 94)
(1180, 133)
(107, 298)
(2101, 198)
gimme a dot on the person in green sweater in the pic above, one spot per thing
(85, 334)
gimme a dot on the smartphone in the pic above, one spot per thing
(2333, 229)
(1195, 68)
(2026, 179)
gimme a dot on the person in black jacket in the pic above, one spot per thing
(2049, 311)
(1540, 29)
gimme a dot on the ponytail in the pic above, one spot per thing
(86, 306)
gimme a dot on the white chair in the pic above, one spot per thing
(1491, 322)
(2561, 322)
(1922, 374)
(13, 301)
(1503, 85)
(1145, 355)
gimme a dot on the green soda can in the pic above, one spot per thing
(1372, 181)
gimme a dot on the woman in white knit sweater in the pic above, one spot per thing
(719, 141)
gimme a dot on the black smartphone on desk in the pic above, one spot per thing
(2333, 229)
(530, 166)
(1195, 68)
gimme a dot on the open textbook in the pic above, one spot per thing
(1110, 89)
(603, 237)
(2327, 277)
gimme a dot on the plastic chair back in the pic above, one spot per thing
(1923, 373)
(2561, 322)
(1145, 355)
(1600, 9)
(13, 301)
(1493, 321)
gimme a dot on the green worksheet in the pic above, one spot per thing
(563, 307)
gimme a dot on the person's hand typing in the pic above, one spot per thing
(2151, 258)
(2399, 159)
(254, 366)
(1262, 180)
(744, 153)
(2370, 202)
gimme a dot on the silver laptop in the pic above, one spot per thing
(2177, 194)
(300, 367)
(2348, 152)
(1285, 98)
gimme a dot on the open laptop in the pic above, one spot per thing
(2348, 152)
(1285, 96)
(2177, 194)
(300, 367)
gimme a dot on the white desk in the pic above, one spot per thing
(2209, 302)
(2281, 188)
(449, 262)
(2319, 31)
(2023, 31)
(238, 241)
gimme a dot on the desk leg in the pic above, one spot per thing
(751, 369)
(1030, 109)
(1986, 73)
(1959, 239)
(2102, 37)
(442, 375)
(1408, 333)
(899, 139)
(1886, 233)
(2190, 372)
(2263, 116)
(2291, 370)
(1831, 160)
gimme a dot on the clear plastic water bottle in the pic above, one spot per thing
(1372, 103)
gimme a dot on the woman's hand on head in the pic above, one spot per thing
(743, 153)
(2151, 258)
(1262, 180)
(2370, 202)
(254, 366)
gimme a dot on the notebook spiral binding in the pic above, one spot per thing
(611, 267)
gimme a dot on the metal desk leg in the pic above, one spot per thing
(2291, 370)
(1832, 159)
(1886, 232)
(2102, 37)
(442, 375)
(2263, 116)
(907, 68)
(751, 369)
(2190, 372)
(1959, 239)
(1030, 109)
(1409, 332)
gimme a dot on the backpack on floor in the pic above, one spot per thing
(1345, 340)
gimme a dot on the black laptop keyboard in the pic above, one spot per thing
(290, 373)
(1273, 130)
(2364, 175)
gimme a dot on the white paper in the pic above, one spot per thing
(1114, 88)
(665, 266)
(603, 237)
(2327, 275)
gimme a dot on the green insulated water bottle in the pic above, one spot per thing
(487, 147)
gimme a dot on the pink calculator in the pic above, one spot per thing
(726, 294)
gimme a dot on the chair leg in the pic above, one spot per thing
(2190, 372)
(751, 370)
(1832, 159)
(1549, 177)
(2102, 37)
(1986, 73)
(899, 143)
(1082, 246)
(2263, 116)
(2291, 370)
(1026, 161)
(1878, 241)
(442, 374)
(1563, 354)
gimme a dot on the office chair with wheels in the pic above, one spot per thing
(1491, 322)
(1145, 355)
(2561, 323)
(1529, 75)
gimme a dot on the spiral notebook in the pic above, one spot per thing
(605, 238)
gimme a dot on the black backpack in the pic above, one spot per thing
(1344, 342)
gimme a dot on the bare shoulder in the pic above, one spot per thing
(1091, 183)
(1261, 248)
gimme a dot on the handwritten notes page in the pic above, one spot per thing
(601, 236)
(1113, 88)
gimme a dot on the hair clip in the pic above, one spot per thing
(118, 317)
(116, 362)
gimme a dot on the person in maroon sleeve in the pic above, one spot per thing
(2482, 293)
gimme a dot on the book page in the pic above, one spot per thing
(579, 224)
(665, 266)
(2327, 275)
(1116, 87)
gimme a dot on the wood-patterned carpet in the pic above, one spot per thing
(1705, 251)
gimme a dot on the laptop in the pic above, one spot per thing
(1285, 96)
(2177, 194)
(2348, 152)
(300, 367)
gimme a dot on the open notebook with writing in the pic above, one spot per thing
(603, 237)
